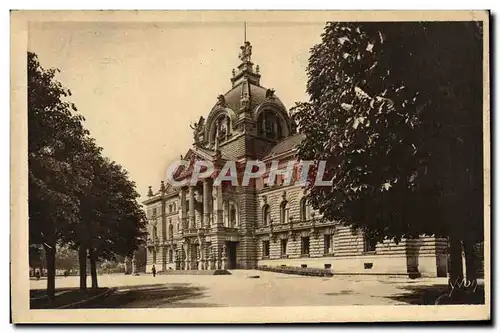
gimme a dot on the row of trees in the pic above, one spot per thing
(396, 110)
(77, 197)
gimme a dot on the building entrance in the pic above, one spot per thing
(231, 255)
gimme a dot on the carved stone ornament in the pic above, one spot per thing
(245, 101)
(270, 93)
(221, 100)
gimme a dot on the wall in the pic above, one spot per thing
(424, 255)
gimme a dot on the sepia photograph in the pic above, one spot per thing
(250, 166)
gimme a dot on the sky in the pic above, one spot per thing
(139, 85)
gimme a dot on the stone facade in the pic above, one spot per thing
(205, 226)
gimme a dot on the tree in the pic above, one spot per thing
(118, 227)
(77, 198)
(111, 222)
(78, 235)
(55, 134)
(395, 109)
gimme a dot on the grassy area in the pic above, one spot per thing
(39, 299)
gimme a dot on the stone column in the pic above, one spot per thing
(188, 255)
(183, 208)
(224, 257)
(218, 258)
(192, 221)
(176, 259)
(202, 255)
(205, 260)
(207, 200)
(218, 208)
(211, 257)
(226, 213)
(199, 257)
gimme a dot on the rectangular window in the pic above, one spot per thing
(305, 246)
(154, 211)
(370, 244)
(283, 247)
(265, 248)
(154, 256)
(328, 248)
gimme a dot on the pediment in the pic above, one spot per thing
(197, 155)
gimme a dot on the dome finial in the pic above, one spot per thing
(245, 69)
(245, 32)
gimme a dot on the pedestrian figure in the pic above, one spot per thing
(153, 270)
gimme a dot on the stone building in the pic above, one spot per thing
(207, 227)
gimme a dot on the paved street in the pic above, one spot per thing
(271, 289)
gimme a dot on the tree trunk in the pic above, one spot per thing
(93, 268)
(456, 274)
(470, 260)
(82, 258)
(50, 257)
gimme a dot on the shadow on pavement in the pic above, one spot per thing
(149, 296)
(63, 297)
(427, 295)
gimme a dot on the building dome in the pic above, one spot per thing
(256, 94)
(247, 108)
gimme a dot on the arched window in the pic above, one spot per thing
(170, 256)
(232, 216)
(284, 212)
(170, 230)
(221, 129)
(304, 210)
(266, 215)
(269, 125)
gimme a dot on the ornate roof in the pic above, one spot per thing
(256, 94)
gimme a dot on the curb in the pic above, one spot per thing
(93, 298)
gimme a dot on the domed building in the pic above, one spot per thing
(205, 226)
